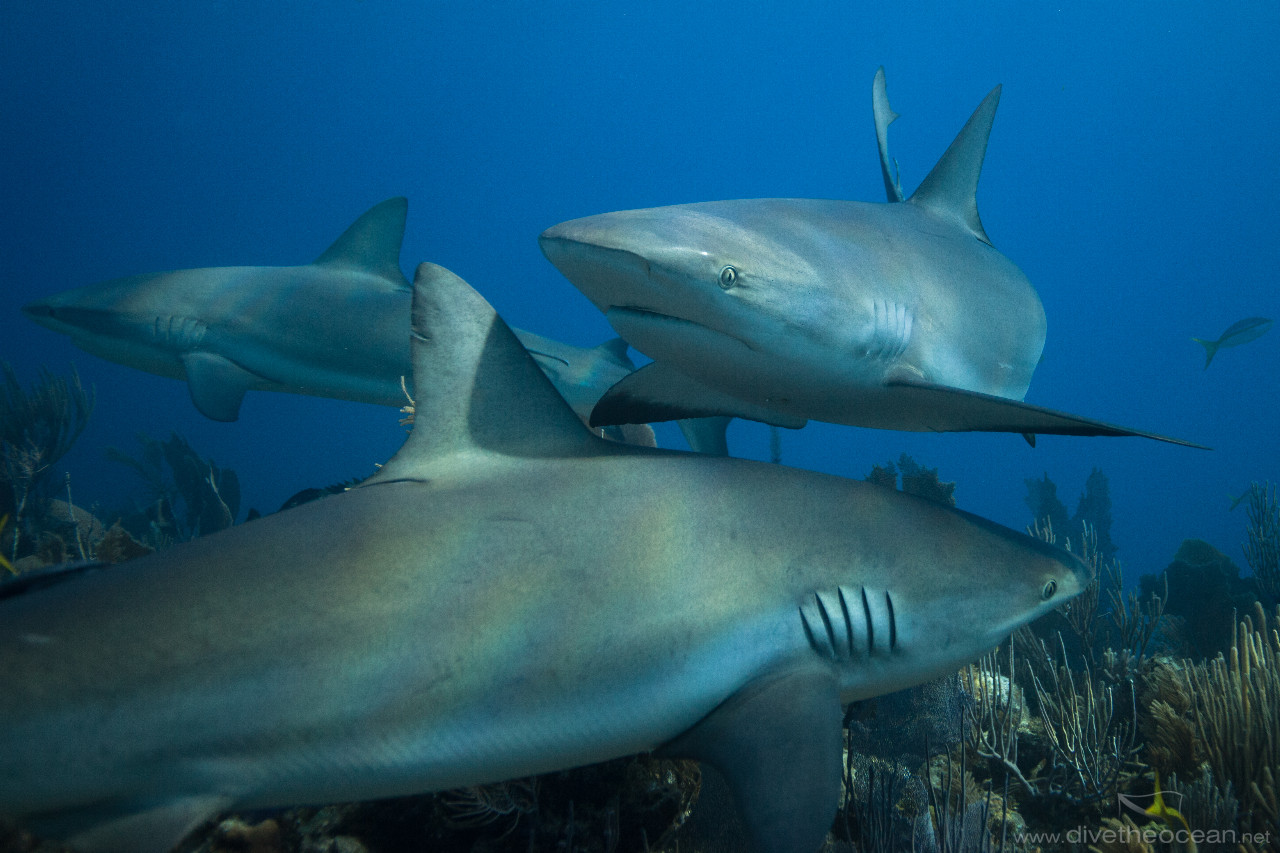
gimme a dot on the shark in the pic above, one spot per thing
(475, 611)
(583, 374)
(899, 315)
(331, 328)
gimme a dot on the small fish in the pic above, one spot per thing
(1171, 816)
(1242, 332)
(4, 519)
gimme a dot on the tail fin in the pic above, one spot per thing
(1210, 350)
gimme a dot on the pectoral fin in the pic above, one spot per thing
(922, 406)
(217, 384)
(656, 392)
(777, 744)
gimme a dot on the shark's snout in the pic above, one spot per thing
(54, 313)
(599, 231)
(37, 309)
(43, 312)
(609, 275)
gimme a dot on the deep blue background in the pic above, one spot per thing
(1132, 174)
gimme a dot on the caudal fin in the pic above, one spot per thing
(1210, 350)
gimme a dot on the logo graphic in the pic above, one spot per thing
(1154, 804)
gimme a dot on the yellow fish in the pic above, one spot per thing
(1162, 810)
(4, 519)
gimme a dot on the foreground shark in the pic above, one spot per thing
(475, 612)
(898, 316)
(331, 328)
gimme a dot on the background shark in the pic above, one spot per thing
(331, 328)
(583, 374)
(897, 316)
(476, 612)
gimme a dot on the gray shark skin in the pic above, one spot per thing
(895, 316)
(332, 328)
(476, 612)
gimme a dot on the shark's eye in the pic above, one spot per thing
(1050, 587)
(728, 277)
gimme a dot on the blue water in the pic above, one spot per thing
(1132, 174)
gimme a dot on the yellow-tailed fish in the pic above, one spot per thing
(4, 519)
(1160, 809)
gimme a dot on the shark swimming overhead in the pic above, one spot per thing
(331, 328)
(898, 316)
(475, 612)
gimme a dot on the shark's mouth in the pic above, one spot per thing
(648, 323)
(58, 319)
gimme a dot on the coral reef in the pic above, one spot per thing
(1081, 741)
(1046, 508)
(1123, 836)
(1172, 749)
(1235, 704)
(916, 480)
(630, 804)
(1207, 805)
(1055, 710)
(1093, 510)
(187, 495)
(1091, 738)
(117, 546)
(1204, 591)
(37, 428)
(883, 475)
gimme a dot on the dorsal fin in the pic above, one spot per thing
(885, 116)
(950, 190)
(476, 387)
(372, 243)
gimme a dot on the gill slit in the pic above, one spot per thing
(871, 628)
(893, 623)
(848, 619)
(826, 620)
